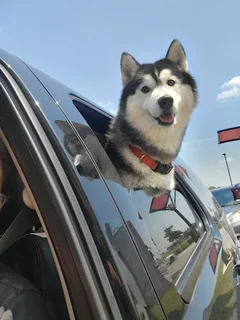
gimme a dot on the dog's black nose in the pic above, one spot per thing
(165, 102)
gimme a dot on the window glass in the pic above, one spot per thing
(207, 199)
(173, 227)
(203, 193)
(224, 197)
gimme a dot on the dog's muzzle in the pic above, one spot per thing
(167, 116)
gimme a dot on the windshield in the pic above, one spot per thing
(224, 197)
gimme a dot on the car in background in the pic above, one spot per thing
(229, 200)
(170, 259)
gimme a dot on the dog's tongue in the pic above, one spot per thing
(168, 118)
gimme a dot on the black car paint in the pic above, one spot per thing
(113, 211)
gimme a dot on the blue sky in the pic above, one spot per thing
(80, 44)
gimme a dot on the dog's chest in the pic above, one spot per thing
(142, 175)
(151, 179)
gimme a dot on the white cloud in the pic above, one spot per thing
(231, 89)
(233, 82)
(108, 105)
(197, 142)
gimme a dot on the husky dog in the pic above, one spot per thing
(155, 108)
(146, 135)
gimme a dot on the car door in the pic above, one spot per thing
(81, 217)
(222, 301)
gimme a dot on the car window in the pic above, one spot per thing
(174, 228)
(98, 121)
(224, 197)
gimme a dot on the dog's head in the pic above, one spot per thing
(164, 91)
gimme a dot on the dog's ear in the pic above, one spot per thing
(129, 67)
(177, 54)
(63, 125)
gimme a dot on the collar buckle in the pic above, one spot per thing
(163, 168)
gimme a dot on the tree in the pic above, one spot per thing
(171, 234)
(212, 187)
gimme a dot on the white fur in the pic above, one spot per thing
(165, 75)
(151, 178)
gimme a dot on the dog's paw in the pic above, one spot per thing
(153, 192)
(87, 172)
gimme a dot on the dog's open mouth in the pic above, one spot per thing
(166, 119)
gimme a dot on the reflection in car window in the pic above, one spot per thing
(174, 228)
(203, 193)
(208, 201)
(112, 227)
(80, 155)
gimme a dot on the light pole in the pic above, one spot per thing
(224, 154)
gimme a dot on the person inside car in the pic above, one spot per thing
(19, 299)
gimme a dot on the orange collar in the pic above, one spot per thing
(154, 165)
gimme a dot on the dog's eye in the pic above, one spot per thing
(145, 89)
(171, 83)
